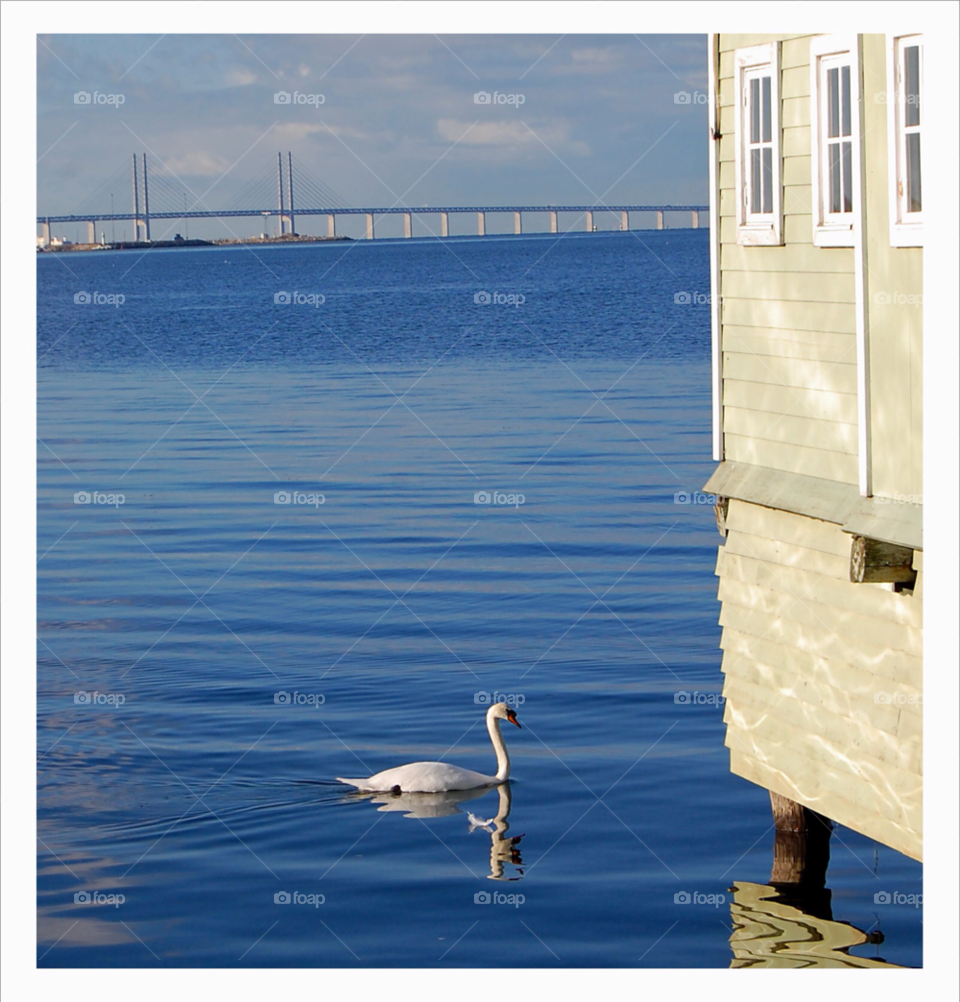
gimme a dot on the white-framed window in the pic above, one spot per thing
(757, 151)
(904, 123)
(835, 138)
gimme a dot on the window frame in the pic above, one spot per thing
(762, 228)
(833, 52)
(906, 228)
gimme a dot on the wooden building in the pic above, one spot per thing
(816, 273)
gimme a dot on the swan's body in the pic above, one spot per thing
(439, 777)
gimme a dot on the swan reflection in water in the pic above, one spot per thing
(504, 849)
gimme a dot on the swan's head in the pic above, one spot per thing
(500, 711)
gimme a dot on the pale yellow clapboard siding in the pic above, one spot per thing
(792, 633)
(795, 52)
(783, 553)
(757, 343)
(827, 376)
(742, 649)
(797, 207)
(791, 429)
(742, 41)
(864, 599)
(813, 403)
(796, 142)
(827, 701)
(894, 795)
(760, 716)
(860, 819)
(786, 527)
(796, 171)
(794, 111)
(838, 318)
(792, 458)
(799, 287)
(831, 671)
(776, 337)
(797, 257)
(808, 611)
(795, 82)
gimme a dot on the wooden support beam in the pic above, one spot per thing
(875, 562)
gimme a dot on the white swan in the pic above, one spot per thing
(438, 777)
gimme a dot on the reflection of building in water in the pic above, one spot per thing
(767, 932)
(816, 282)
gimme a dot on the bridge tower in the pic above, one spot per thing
(146, 202)
(136, 203)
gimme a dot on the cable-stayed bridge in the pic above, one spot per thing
(142, 191)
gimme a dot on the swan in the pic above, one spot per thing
(439, 777)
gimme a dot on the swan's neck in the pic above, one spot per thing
(500, 747)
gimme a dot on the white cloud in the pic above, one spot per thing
(513, 134)
(198, 164)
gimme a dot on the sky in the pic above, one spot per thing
(571, 119)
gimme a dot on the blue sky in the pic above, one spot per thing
(398, 116)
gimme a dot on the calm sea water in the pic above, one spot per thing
(210, 659)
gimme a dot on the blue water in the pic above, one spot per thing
(390, 612)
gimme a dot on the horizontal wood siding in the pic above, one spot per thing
(788, 319)
(822, 677)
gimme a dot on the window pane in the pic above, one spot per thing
(913, 172)
(755, 110)
(766, 109)
(755, 180)
(767, 179)
(833, 105)
(911, 84)
(847, 177)
(845, 100)
(833, 152)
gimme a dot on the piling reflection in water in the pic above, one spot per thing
(789, 922)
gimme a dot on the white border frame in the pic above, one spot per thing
(765, 234)
(834, 234)
(902, 234)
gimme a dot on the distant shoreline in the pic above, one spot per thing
(233, 241)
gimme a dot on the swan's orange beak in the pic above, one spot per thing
(512, 717)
